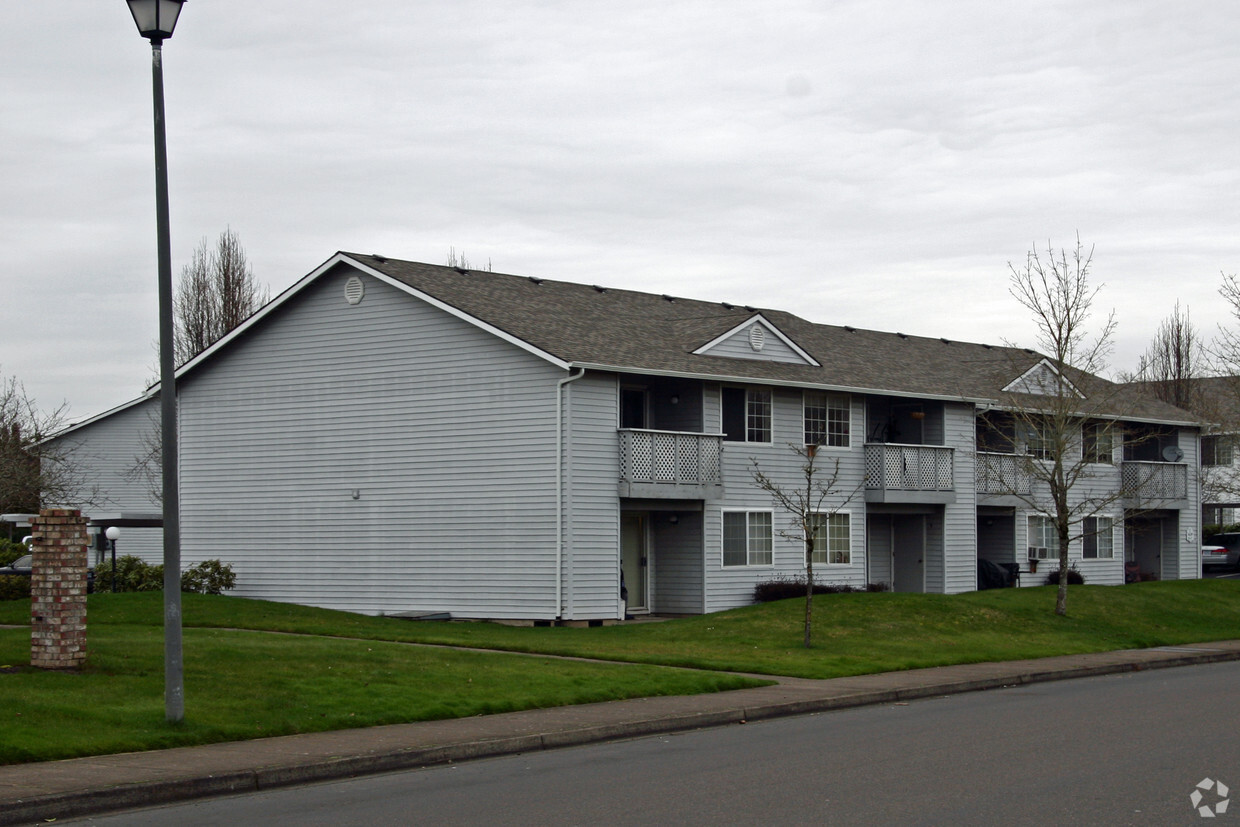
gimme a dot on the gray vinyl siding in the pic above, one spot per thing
(592, 506)
(958, 520)
(773, 349)
(1189, 535)
(677, 563)
(105, 452)
(378, 458)
(733, 586)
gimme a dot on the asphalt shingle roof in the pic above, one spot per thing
(633, 331)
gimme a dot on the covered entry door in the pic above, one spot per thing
(908, 553)
(1143, 544)
(633, 558)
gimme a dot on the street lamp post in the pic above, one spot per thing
(155, 20)
(112, 533)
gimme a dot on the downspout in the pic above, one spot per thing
(563, 434)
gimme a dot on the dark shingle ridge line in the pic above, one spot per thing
(638, 331)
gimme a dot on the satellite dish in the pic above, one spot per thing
(1172, 453)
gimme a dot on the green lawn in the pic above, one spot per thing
(241, 683)
(248, 684)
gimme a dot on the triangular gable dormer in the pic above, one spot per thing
(756, 338)
(1042, 380)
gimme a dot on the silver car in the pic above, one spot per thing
(1230, 550)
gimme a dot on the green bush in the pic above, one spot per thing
(788, 587)
(208, 577)
(132, 575)
(10, 550)
(14, 588)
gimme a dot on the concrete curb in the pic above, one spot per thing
(150, 793)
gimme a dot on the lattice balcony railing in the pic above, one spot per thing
(673, 457)
(908, 467)
(1154, 480)
(1002, 474)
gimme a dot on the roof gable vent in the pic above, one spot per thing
(354, 290)
(757, 338)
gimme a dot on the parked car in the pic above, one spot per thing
(1214, 556)
(1230, 542)
(23, 567)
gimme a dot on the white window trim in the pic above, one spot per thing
(848, 407)
(843, 513)
(1052, 553)
(1110, 434)
(1114, 524)
(770, 391)
(748, 551)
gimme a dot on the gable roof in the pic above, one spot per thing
(607, 328)
(574, 325)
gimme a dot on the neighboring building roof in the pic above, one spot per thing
(1214, 399)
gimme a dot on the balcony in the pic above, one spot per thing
(1002, 475)
(1155, 484)
(909, 473)
(670, 464)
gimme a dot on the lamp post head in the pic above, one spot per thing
(155, 18)
(112, 533)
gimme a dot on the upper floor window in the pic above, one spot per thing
(826, 419)
(1039, 440)
(746, 415)
(832, 541)
(1096, 442)
(1216, 450)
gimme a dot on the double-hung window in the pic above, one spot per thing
(1099, 541)
(1039, 442)
(826, 419)
(1216, 450)
(747, 538)
(746, 415)
(832, 541)
(1043, 539)
(1096, 442)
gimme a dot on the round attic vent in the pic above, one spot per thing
(354, 290)
(757, 337)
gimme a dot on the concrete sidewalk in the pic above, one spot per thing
(62, 789)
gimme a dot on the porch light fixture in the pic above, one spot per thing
(112, 533)
(155, 20)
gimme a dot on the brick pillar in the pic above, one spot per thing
(58, 590)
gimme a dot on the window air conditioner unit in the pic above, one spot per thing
(1037, 552)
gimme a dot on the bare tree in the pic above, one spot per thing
(217, 291)
(1173, 362)
(811, 506)
(461, 262)
(34, 471)
(1065, 416)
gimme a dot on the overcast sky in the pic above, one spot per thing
(874, 163)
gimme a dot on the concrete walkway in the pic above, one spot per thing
(63, 789)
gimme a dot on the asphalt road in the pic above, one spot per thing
(1125, 749)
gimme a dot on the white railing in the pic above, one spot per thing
(673, 457)
(1002, 474)
(1154, 480)
(892, 467)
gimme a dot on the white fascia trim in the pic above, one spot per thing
(460, 314)
(341, 258)
(780, 383)
(151, 393)
(1044, 363)
(1109, 417)
(750, 322)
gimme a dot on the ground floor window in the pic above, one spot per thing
(1099, 540)
(832, 540)
(1043, 539)
(747, 538)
